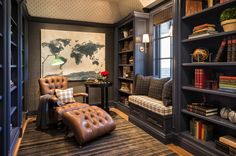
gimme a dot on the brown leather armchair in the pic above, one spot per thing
(48, 85)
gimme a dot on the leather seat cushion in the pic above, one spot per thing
(88, 123)
(69, 107)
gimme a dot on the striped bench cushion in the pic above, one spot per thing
(151, 104)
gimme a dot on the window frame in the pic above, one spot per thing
(157, 50)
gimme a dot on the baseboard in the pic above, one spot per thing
(164, 138)
(121, 107)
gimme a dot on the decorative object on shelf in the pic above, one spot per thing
(84, 53)
(103, 76)
(131, 60)
(224, 112)
(125, 33)
(131, 32)
(201, 55)
(125, 87)
(232, 116)
(126, 71)
(228, 19)
(203, 30)
(192, 7)
(210, 3)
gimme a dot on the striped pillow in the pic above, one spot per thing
(65, 96)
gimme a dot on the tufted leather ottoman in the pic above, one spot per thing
(68, 107)
(88, 123)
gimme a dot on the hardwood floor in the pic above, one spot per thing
(178, 150)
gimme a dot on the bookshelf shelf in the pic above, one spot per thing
(13, 44)
(214, 36)
(213, 119)
(209, 64)
(13, 88)
(208, 91)
(13, 109)
(127, 51)
(209, 10)
(127, 38)
(13, 21)
(128, 65)
(125, 92)
(206, 144)
(127, 79)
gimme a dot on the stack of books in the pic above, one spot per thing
(201, 130)
(227, 144)
(227, 50)
(203, 30)
(200, 78)
(227, 83)
(205, 110)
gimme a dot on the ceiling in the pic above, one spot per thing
(99, 11)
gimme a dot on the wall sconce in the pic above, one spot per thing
(145, 40)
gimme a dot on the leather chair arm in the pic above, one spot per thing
(80, 94)
(53, 99)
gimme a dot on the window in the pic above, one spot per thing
(163, 56)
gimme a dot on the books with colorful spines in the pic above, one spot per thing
(228, 140)
(199, 27)
(229, 86)
(202, 78)
(221, 52)
(196, 80)
(197, 123)
(204, 108)
(229, 49)
(233, 59)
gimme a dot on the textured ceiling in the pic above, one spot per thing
(100, 11)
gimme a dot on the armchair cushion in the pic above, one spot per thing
(65, 96)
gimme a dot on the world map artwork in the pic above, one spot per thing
(82, 53)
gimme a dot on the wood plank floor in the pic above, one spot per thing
(178, 150)
(126, 139)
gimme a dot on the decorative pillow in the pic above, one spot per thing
(142, 84)
(156, 86)
(167, 93)
(65, 96)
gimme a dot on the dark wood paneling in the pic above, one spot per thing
(35, 25)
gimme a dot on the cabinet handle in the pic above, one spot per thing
(154, 122)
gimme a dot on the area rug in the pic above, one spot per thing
(126, 139)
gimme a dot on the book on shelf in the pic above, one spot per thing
(201, 130)
(223, 1)
(229, 49)
(201, 75)
(228, 140)
(221, 51)
(193, 6)
(227, 83)
(206, 108)
(233, 43)
(201, 112)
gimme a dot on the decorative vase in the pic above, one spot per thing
(229, 25)
(125, 34)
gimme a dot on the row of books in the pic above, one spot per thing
(205, 110)
(200, 78)
(227, 83)
(227, 50)
(201, 130)
(203, 30)
(227, 144)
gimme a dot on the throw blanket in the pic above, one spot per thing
(43, 120)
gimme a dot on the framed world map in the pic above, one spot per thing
(76, 55)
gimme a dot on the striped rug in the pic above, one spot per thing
(127, 139)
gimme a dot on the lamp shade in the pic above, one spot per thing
(146, 38)
(57, 61)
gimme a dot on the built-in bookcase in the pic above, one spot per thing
(11, 58)
(187, 93)
(129, 59)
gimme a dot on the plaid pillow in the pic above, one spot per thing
(142, 85)
(65, 96)
(167, 93)
(156, 86)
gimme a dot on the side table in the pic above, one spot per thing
(104, 92)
